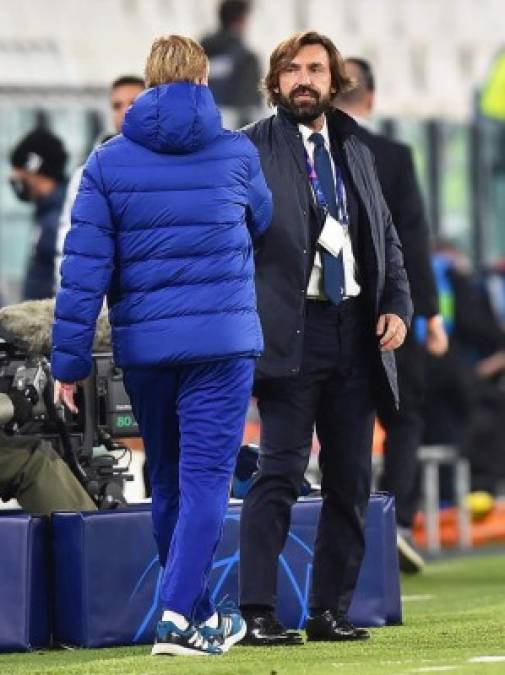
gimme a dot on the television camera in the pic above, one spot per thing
(91, 442)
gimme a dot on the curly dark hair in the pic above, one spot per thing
(284, 53)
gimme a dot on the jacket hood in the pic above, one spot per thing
(174, 118)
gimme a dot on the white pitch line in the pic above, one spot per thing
(487, 659)
(417, 598)
(433, 669)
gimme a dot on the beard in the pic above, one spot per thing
(308, 110)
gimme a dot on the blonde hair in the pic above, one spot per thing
(174, 58)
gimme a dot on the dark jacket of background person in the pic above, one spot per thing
(234, 70)
(161, 221)
(283, 265)
(234, 75)
(400, 188)
(40, 278)
(404, 427)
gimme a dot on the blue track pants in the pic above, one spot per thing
(191, 418)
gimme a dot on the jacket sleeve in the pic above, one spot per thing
(396, 298)
(86, 273)
(407, 211)
(259, 209)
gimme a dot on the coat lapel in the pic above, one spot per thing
(295, 144)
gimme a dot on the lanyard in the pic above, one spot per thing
(342, 214)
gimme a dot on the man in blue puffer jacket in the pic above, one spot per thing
(163, 223)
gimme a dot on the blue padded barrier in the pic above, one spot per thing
(376, 600)
(24, 582)
(106, 572)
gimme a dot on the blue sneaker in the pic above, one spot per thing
(189, 642)
(230, 630)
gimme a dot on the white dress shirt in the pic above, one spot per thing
(331, 238)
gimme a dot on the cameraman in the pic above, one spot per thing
(32, 472)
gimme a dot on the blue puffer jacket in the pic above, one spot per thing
(163, 223)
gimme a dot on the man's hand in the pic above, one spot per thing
(64, 393)
(437, 342)
(392, 332)
(491, 365)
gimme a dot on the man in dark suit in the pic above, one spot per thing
(404, 427)
(334, 303)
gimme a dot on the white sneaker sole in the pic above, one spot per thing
(411, 559)
(165, 649)
(233, 639)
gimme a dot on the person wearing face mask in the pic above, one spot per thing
(38, 176)
(334, 304)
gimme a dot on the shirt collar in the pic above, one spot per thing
(306, 133)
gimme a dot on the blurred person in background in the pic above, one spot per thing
(494, 284)
(163, 223)
(123, 91)
(465, 401)
(403, 426)
(491, 98)
(234, 76)
(38, 176)
(334, 303)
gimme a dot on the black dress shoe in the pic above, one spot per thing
(263, 630)
(332, 627)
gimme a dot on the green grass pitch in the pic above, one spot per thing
(454, 615)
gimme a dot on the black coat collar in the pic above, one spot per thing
(340, 124)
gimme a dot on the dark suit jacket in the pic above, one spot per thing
(400, 187)
(285, 258)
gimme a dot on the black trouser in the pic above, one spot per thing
(333, 392)
(404, 432)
